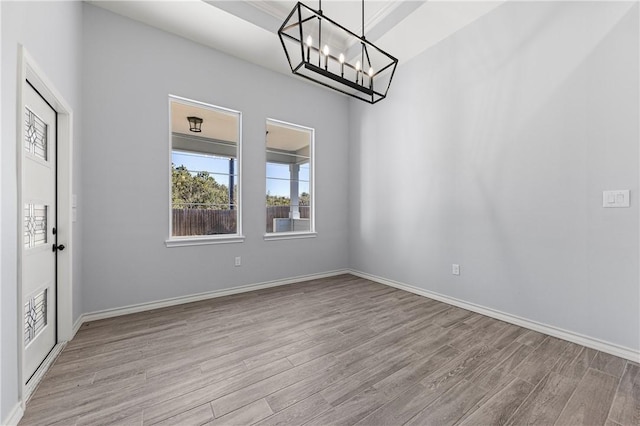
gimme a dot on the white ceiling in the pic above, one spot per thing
(216, 124)
(287, 138)
(248, 29)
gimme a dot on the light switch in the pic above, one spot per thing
(616, 198)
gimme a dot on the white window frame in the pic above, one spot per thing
(311, 233)
(194, 240)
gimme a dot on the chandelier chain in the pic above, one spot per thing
(362, 18)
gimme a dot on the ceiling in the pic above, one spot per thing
(283, 137)
(248, 29)
(216, 124)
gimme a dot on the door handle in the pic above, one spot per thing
(58, 247)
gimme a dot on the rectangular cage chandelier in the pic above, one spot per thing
(323, 51)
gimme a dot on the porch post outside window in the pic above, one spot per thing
(294, 210)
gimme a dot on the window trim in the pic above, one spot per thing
(312, 232)
(203, 241)
(273, 236)
(198, 240)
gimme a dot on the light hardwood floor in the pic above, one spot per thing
(340, 350)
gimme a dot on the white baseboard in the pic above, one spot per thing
(14, 416)
(590, 342)
(76, 326)
(141, 307)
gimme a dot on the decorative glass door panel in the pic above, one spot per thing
(38, 222)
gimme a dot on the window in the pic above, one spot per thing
(205, 173)
(289, 198)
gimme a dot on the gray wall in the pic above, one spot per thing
(129, 70)
(51, 32)
(492, 151)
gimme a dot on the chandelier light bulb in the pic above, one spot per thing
(309, 43)
(325, 51)
(341, 58)
(358, 66)
(370, 72)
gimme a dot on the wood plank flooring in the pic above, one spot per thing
(340, 350)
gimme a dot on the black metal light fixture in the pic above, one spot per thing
(195, 124)
(360, 69)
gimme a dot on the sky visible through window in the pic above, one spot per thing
(218, 167)
(278, 179)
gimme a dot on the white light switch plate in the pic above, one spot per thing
(616, 198)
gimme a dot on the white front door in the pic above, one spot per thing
(39, 221)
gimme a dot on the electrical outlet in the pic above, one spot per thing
(455, 269)
(238, 261)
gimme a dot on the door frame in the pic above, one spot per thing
(29, 70)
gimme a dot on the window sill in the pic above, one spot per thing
(203, 241)
(289, 236)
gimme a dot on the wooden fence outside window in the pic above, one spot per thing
(191, 222)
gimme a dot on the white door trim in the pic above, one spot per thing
(28, 69)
